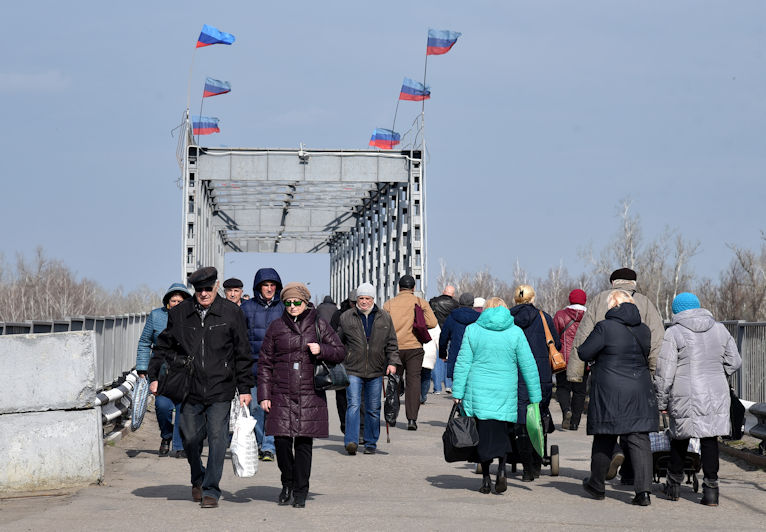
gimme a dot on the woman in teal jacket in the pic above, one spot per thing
(492, 354)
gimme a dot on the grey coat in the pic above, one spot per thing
(696, 356)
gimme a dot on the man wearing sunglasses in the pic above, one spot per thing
(206, 335)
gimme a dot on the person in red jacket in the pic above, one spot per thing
(570, 395)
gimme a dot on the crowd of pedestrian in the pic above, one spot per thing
(200, 352)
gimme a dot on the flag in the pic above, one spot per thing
(210, 35)
(441, 41)
(384, 138)
(205, 125)
(214, 87)
(414, 91)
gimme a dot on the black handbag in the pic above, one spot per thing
(460, 438)
(328, 376)
(176, 382)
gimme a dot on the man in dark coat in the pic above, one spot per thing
(260, 311)
(371, 351)
(451, 336)
(208, 334)
(444, 304)
(326, 309)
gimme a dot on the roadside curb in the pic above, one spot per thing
(750, 458)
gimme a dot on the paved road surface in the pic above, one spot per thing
(406, 486)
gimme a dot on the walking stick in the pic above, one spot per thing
(388, 436)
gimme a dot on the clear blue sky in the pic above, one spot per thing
(543, 116)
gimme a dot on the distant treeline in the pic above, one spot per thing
(41, 288)
(663, 266)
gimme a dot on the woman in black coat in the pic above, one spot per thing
(530, 319)
(297, 412)
(622, 399)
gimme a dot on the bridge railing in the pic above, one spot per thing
(116, 340)
(750, 381)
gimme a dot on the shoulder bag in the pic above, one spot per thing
(177, 381)
(419, 327)
(328, 376)
(558, 363)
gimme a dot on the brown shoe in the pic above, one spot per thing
(197, 493)
(209, 502)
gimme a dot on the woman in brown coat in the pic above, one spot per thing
(297, 412)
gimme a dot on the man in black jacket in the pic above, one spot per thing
(371, 351)
(207, 336)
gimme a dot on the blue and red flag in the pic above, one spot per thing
(414, 91)
(214, 87)
(205, 125)
(211, 35)
(384, 138)
(441, 41)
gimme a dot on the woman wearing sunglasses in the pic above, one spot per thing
(297, 412)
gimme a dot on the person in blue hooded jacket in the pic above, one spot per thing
(260, 310)
(451, 336)
(155, 324)
(493, 354)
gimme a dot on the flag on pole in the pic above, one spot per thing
(211, 35)
(441, 41)
(414, 91)
(384, 138)
(214, 87)
(205, 125)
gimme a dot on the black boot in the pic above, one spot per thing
(285, 495)
(486, 485)
(709, 492)
(501, 482)
(642, 499)
(673, 486)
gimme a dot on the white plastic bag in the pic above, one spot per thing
(233, 412)
(139, 401)
(244, 448)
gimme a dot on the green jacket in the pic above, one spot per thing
(493, 353)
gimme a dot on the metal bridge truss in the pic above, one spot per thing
(364, 208)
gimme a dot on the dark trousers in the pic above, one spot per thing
(640, 451)
(295, 466)
(412, 362)
(197, 423)
(571, 396)
(709, 451)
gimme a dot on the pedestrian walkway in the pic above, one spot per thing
(405, 486)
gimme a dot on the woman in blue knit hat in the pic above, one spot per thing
(696, 357)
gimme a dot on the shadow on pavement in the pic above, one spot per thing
(455, 482)
(132, 453)
(171, 492)
(253, 493)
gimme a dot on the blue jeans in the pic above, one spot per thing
(164, 408)
(425, 384)
(265, 443)
(197, 423)
(372, 389)
(438, 374)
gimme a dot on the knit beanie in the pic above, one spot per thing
(466, 299)
(479, 302)
(295, 291)
(365, 289)
(685, 301)
(577, 297)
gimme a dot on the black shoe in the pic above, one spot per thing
(642, 499)
(181, 454)
(412, 425)
(709, 496)
(573, 426)
(369, 450)
(351, 448)
(165, 446)
(599, 496)
(501, 482)
(614, 465)
(285, 496)
(486, 485)
(268, 456)
(527, 476)
(299, 501)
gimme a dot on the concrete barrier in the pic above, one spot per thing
(51, 431)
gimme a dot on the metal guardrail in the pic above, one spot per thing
(116, 340)
(750, 381)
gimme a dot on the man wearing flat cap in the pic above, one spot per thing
(621, 279)
(206, 338)
(402, 311)
(232, 287)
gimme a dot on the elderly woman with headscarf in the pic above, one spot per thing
(697, 355)
(291, 349)
(622, 401)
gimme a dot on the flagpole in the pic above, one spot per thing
(423, 179)
(200, 113)
(393, 127)
(188, 85)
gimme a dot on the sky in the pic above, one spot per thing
(542, 118)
